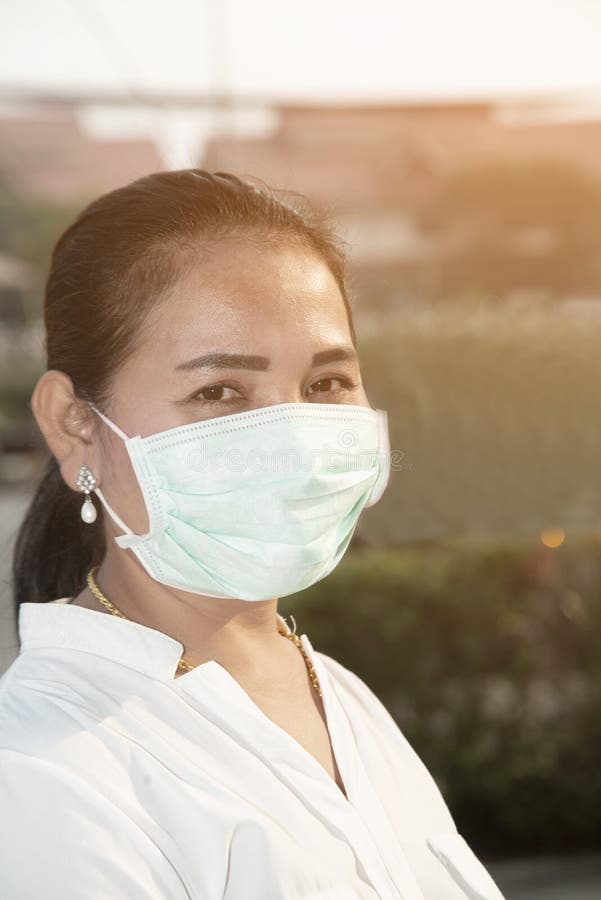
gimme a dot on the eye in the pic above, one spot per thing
(214, 393)
(325, 385)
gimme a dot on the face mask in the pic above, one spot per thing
(255, 505)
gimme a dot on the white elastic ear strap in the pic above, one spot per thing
(110, 424)
(116, 518)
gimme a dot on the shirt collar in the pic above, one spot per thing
(59, 625)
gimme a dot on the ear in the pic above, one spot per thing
(67, 424)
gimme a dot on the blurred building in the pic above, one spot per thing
(378, 166)
(374, 166)
(390, 157)
(355, 157)
(51, 156)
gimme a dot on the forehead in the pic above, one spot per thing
(246, 292)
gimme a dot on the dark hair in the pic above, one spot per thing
(107, 269)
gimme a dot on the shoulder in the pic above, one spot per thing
(30, 716)
(50, 707)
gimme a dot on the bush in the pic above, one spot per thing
(487, 656)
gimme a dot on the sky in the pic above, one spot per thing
(311, 50)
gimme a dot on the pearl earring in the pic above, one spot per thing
(86, 481)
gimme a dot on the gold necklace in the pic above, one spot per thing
(183, 663)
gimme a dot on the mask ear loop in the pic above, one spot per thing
(115, 517)
(110, 424)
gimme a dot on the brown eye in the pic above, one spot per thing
(212, 393)
(325, 385)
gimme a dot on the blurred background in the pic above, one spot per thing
(458, 146)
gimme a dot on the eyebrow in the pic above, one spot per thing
(260, 363)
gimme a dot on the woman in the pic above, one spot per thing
(159, 739)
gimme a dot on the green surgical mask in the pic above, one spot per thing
(255, 505)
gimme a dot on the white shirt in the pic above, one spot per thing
(120, 782)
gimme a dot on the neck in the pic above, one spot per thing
(231, 631)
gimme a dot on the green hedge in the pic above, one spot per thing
(488, 657)
(494, 417)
